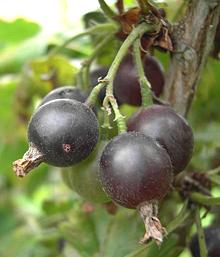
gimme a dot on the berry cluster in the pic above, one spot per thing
(134, 169)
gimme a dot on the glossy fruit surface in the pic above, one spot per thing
(169, 128)
(83, 179)
(126, 84)
(134, 169)
(212, 239)
(64, 131)
(67, 92)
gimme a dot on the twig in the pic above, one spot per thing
(204, 200)
(109, 99)
(106, 9)
(87, 63)
(99, 28)
(193, 39)
(201, 236)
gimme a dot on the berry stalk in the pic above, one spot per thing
(201, 236)
(144, 83)
(204, 200)
(137, 32)
(87, 63)
(106, 9)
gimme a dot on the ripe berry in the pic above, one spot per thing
(83, 179)
(61, 133)
(136, 171)
(67, 92)
(212, 239)
(126, 84)
(169, 128)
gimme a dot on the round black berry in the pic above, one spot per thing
(67, 92)
(135, 169)
(212, 239)
(61, 133)
(169, 128)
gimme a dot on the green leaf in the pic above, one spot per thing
(17, 31)
(14, 56)
(93, 17)
(80, 233)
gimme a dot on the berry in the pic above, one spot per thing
(135, 172)
(134, 169)
(169, 128)
(67, 92)
(61, 132)
(126, 84)
(212, 239)
(83, 179)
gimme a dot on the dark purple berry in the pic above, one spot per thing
(134, 169)
(61, 132)
(126, 83)
(169, 128)
(67, 92)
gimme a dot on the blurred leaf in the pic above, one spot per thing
(38, 78)
(17, 31)
(14, 56)
(91, 18)
(79, 231)
(53, 207)
(100, 234)
(24, 245)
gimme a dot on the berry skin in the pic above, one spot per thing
(65, 131)
(212, 239)
(169, 128)
(61, 132)
(67, 92)
(135, 169)
(126, 84)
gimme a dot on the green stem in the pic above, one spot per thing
(215, 179)
(87, 64)
(146, 93)
(204, 200)
(213, 171)
(201, 236)
(92, 98)
(143, 6)
(136, 33)
(106, 9)
(99, 28)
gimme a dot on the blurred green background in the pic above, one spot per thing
(39, 215)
